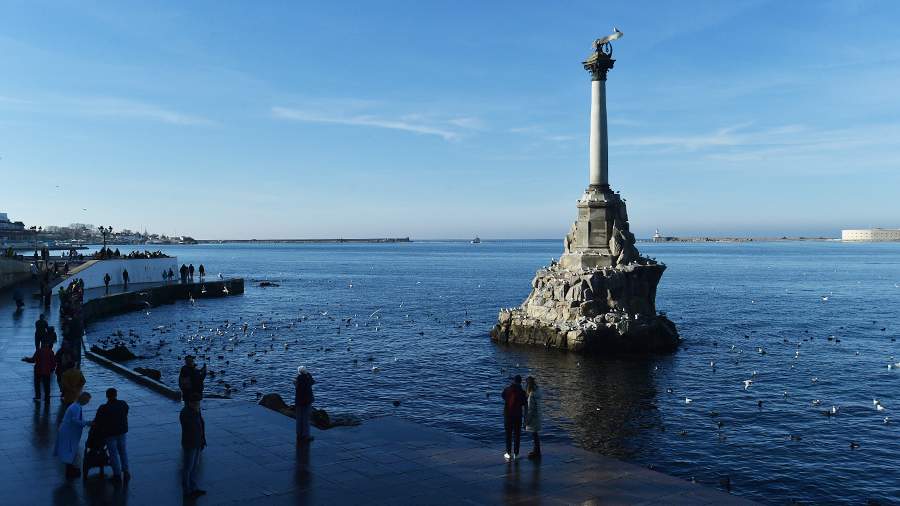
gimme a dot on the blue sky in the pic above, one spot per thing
(447, 119)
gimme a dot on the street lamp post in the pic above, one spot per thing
(104, 231)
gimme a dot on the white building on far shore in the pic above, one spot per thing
(871, 234)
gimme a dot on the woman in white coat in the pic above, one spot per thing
(533, 415)
(69, 435)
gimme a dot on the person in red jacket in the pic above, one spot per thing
(514, 401)
(44, 364)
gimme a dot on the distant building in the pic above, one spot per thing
(871, 234)
(13, 230)
(661, 238)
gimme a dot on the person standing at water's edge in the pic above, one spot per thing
(303, 403)
(533, 415)
(125, 277)
(183, 271)
(112, 420)
(202, 271)
(193, 441)
(106, 280)
(513, 413)
(190, 379)
(191, 272)
(69, 435)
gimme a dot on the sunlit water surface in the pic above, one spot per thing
(408, 304)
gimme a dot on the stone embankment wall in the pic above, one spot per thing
(140, 270)
(596, 310)
(12, 272)
(154, 296)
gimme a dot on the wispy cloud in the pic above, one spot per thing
(447, 129)
(541, 133)
(114, 107)
(796, 146)
(124, 108)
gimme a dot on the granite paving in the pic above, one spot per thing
(252, 458)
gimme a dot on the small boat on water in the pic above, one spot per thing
(476, 240)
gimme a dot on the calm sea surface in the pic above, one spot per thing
(753, 310)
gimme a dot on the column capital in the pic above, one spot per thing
(600, 62)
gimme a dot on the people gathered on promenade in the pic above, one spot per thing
(108, 254)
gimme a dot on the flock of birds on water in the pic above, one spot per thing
(243, 341)
(228, 346)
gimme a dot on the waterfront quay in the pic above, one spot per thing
(252, 458)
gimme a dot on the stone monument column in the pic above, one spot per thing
(601, 295)
(598, 65)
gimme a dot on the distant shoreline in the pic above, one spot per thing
(302, 241)
(736, 239)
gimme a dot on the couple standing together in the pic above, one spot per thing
(521, 407)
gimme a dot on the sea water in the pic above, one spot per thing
(813, 324)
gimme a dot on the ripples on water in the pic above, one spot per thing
(766, 295)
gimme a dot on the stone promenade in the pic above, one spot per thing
(252, 459)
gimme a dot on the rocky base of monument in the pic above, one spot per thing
(603, 310)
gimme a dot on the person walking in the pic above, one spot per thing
(303, 400)
(112, 421)
(513, 413)
(69, 435)
(191, 272)
(40, 331)
(44, 365)
(125, 277)
(193, 441)
(72, 384)
(202, 271)
(106, 280)
(533, 416)
(190, 379)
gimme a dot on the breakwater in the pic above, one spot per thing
(152, 296)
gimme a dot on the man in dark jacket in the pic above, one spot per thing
(193, 441)
(40, 331)
(514, 401)
(125, 277)
(183, 271)
(44, 364)
(112, 422)
(190, 379)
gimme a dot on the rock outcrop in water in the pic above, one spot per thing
(319, 418)
(118, 353)
(592, 310)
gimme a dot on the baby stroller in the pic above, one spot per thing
(95, 453)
